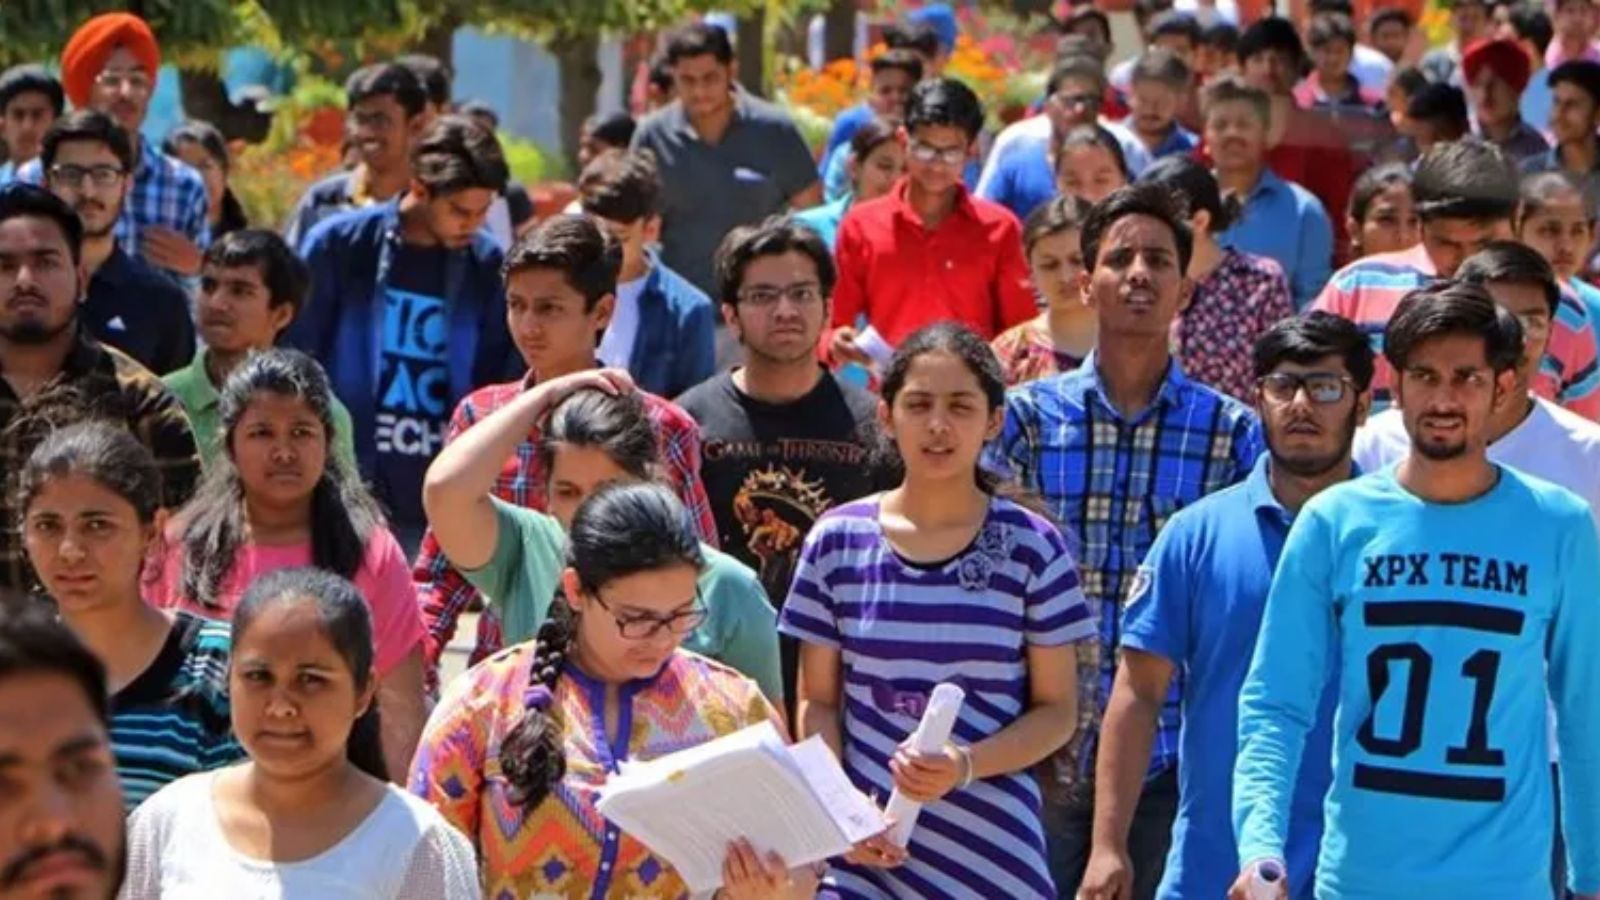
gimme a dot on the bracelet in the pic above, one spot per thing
(965, 753)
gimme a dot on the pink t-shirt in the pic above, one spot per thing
(384, 579)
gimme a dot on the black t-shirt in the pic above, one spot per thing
(413, 380)
(139, 310)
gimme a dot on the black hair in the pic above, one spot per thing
(34, 641)
(346, 623)
(457, 153)
(918, 37)
(1389, 15)
(974, 352)
(31, 79)
(1087, 13)
(1465, 179)
(619, 530)
(777, 235)
(1161, 65)
(1308, 337)
(1076, 65)
(944, 101)
(98, 450)
(1373, 182)
(1089, 136)
(1532, 24)
(615, 424)
(203, 134)
(1513, 262)
(479, 109)
(1220, 34)
(432, 74)
(1081, 45)
(1271, 33)
(1329, 27)
(1146, 10)
(699, 39)
(578, 248)
(19, 201)
(1440, 103)
(386, 80)
(1447, 308)
(286, 276)
(873, 134)
(612, 129)
(1582, 74)
(1060, 213)
(1139, 199)
(660, 74)
(1540, 189)
(1173, 23)
(215, 525)
(1198, 187)
(87, 125)
(1410, 80)
(1318, 7)
(905, 61)
(1232, 88)
(621, 185)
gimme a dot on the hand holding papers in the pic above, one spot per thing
(689, 806)
(931, 734)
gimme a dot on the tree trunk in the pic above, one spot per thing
(580, 82)
(1028, 7)
(205, 98)
(839, 31)
(439, 41)
(752, 52)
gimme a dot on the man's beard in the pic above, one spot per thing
(1311, 467)
(32, 333)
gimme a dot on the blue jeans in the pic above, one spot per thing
(1068, 827)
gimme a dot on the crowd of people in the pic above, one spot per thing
(1225, 429)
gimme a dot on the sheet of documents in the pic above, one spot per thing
(687, 807)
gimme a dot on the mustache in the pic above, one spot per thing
(86, 850)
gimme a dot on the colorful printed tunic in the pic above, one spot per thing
(1027, 353)
(1231, 307)
(563, 847)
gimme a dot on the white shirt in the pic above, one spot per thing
(1371, 68)
(402, 850)
(616, 345)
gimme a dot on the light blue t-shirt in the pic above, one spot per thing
(1283, 221)
(1453, 623)
(1198, 603)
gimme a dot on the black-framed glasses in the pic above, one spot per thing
(764, 296)
(1321, 387)
(1077, 101)
(644, 626)
(73, 176)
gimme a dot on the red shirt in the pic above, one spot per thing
(902, 276)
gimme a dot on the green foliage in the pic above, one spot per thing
(529, 162)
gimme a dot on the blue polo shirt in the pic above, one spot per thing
(1198, 602)
(1284, 221)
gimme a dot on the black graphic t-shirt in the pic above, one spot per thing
(413, 380)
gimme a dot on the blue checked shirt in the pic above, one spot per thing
(1112, 483)
(165, 192)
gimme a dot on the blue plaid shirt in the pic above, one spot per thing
(165, 192)
(1112, 483)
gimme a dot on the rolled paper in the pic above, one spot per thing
(944, 704)
(1267, 881)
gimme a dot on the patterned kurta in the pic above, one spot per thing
(1231, 307)
(1027, 352)
(564, 847)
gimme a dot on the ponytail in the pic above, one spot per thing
(531, 756)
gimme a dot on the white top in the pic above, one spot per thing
(1371, 68)
(616, 345)
(403, 850)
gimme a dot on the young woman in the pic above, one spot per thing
(519, 746)
(1236, 297)
(1383, 215)
(201, 145)
(91, 498)
(276, 499)
(1089, 164)
(939, 580)
(1062, 335)
(875, 161)
(309, 814)
(596, 432)
(1557, 222)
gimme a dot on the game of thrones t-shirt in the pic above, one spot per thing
(413, 380)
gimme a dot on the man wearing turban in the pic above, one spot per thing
(110, 64)
(1496, 72)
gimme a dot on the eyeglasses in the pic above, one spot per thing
(644, 626)
(1072, 101)
(1321, 387)
(135, 82)
(802, 294)
(927, 153)
(72, 176)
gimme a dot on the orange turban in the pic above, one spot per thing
(90, 46)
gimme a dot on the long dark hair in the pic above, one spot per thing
(619, 530)
(347, 623)
(974, 352)
(343, 513)
(615, 424)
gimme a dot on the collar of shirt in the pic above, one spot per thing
(204, 393)
(1268, 183)
(903, 210)
(115, 270)
(142, 167)
(1086, 381)
(1416, 257)
(1258, 488)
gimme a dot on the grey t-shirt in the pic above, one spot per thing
(709, 189)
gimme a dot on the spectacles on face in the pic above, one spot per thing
(927, 153)
(1076, 101)
(133, 82)
(802, 294)
(643, 626)
(72, 176)
(1322, 387)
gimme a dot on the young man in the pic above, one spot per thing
(560, 287)
(1466, 192)
(1371, 69)
(726, 157)
(1469, 23)
(1281, 219)
(251, 287)
(30, 100)
(1436, 114)
(1115, 448)
(1197, 608)
(894, 74)
(1453, 596)
(61, 825)
(406, 311)
(1529, 26)
(1496, 73)
(1389, 32)
(928, 251)
(387, 105)
(1175, 32)
(436, 84)
(661, 327)
(110, 64)
(1575, 25)
(47, 357)
(130, 305)
(1574, 120)
(1161, 85)
(784, 438)
(1331, 85)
